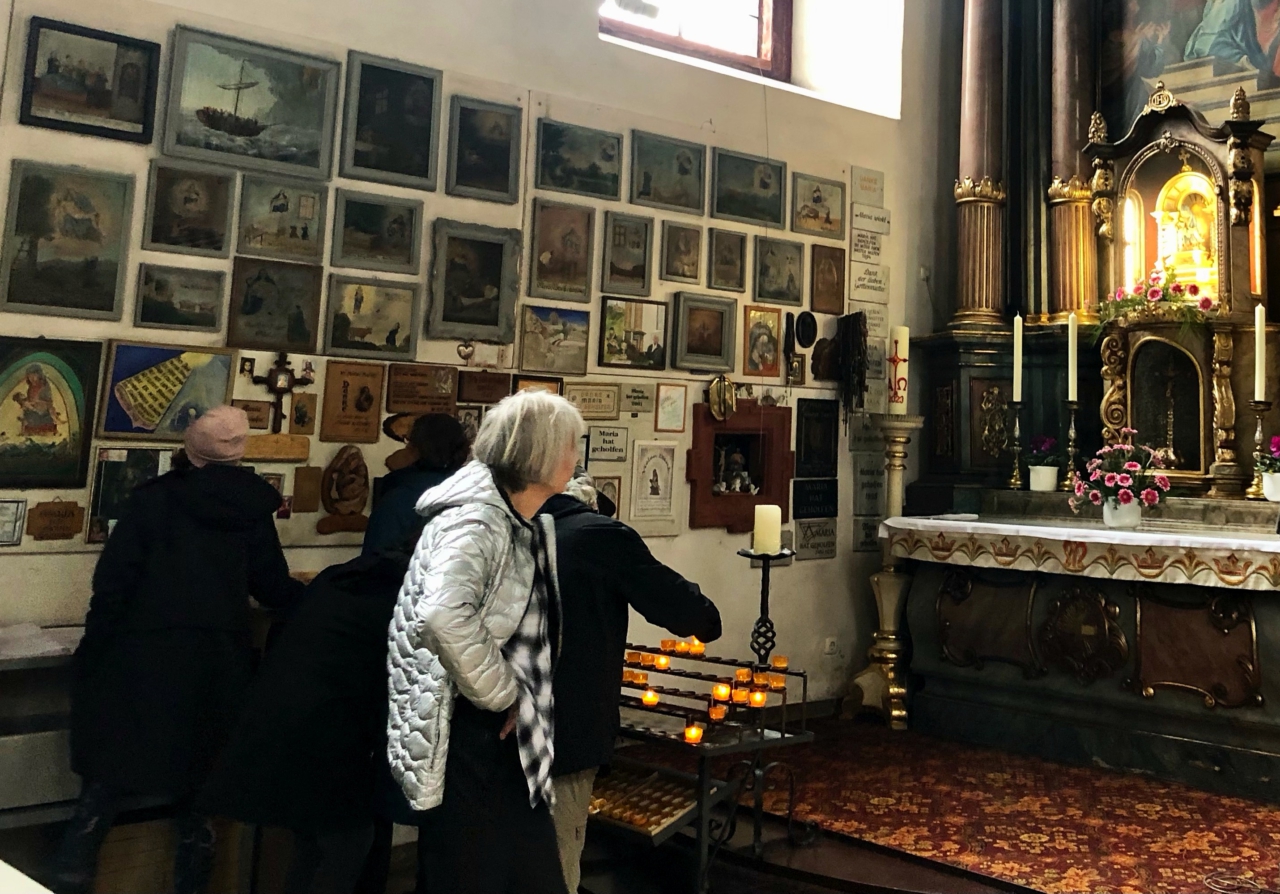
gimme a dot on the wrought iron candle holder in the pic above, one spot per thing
(1069, 482)
(1260, 408)
(1015, 479)
(763, 636)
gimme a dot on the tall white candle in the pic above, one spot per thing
(898, 361)
(1259, 353)
(768, 534)
(1017, 358)
(1073, 359)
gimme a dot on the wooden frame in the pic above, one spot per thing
(714, 235)
(149, 242)
(348, 165)
(265, 276)
(828, 293)
(342, 253)
(766, 293)
(521, 382)
(669, 228)
(736, 512)
(146, 399)
(408, 323)
(511, 194)
(761, 322)
(422, 388)
(608, 282)
(316, 196)
(664, 406)
(352, 414)
(503, 331)
(537, 287)
(541, 351)
(541, 175)
(684, 356)
(802, 223)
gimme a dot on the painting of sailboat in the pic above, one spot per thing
(271, 109)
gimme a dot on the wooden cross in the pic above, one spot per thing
(281, 380)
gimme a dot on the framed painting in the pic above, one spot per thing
(633, 334)
(579, 160)
(118, 473)
(376, 232)
(749, 189)
(705, 332)
(475, 282)
(65, 241)
(761, 338)
(779, 271)
(274, 306)
(470, 417)
(352, 406)
(554, 384)
(392, 127)
(154, 391)
(668, 173)
(189, 209)
(13, 521)
(249, 105)
(554, 340)
(817, 206)
(371, 318)
(681, 252)
(727, 260)
(91, 82)
(560, 266)
(610, 487)
(817, 438)
(653, 479)
(180, 298)
(628, 241)
(484, 150)
(827, 279)
(669, 410)
(282, 218)
(48, 388)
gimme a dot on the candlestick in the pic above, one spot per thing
(1017, 358)
(1069, 482)
(764, 635)
(693, 734)
(757, 698)
(779, 662)
(721, 692)
(1073, 359)
(717, 712)
(1015, 409)
(649, 698)
(899, 365)
(697, 648)
(1260, 408)
(768, 531)
(1260, 353)
(662, 662)
(740, 696)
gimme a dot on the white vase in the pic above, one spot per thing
(1271, 486)
(1117, 516)
(1044, 479)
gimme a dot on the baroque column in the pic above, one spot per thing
(979, 191)
(1073, 248)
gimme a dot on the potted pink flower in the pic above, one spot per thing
(1269, 465)
(1122, 479)
(1043, 461)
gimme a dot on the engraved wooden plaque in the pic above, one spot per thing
(278, 448)
(421, 388)
(352, 402)
(56, 520)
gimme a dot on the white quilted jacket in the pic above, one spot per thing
(464, 595)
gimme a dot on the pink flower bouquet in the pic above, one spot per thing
(1122, 473)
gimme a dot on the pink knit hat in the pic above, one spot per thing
(219, 436)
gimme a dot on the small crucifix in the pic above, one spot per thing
(281, 380)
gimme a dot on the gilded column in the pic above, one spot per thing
(979, 189)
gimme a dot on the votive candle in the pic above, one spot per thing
(682, 647)
(640, 678)
(649, 698)
(668, 645)
(717, 712)
(760, 678)
(693, 734)
(721, 692)
(647, 660)
(740, 696)
(742, 675)
(633, 657)
(777, 681)
(779, 662)
(697, 648)
(758, 698)
(662, 662)
(628, 675)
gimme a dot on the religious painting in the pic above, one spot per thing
(352, 402)
(13, 521)
(47, 392)
(779, 271)
(681, 252)
(282, 218)
(154, 391)
(392, 122)
(749, 189)
(553, 384)
(66, 237)
(670, 410)
(189, 209)
(119, 472)
(817, 438)
(180, 298)
(633, 333)
(249, 105)
(653, 476)
(560, 266)
(705, 332)
(484, 150)
(302, 414)
(668, 173)
(817, 206)
(474, 282)
(827, 284)
(91, 82)
(274, 306)
(727, 260)
(470, 417)
(376, 232)
(761, 341)
(579, 160)
(627, 243)
(371, 318)
(610, 487)
(554, 340)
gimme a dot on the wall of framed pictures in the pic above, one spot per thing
(575, 206)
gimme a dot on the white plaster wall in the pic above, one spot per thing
(547, 56)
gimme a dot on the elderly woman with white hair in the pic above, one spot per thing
(473, 642)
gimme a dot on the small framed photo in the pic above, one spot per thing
(705, 332)
(633, 333)
(13, 521)
(484, 150)
(180, 298)
(91, 82)
(668, 173)
(761, 341)
(827, 279)
(371, 318)
(560, 266)
(628, 241)
(470, 418)
(376, 232)
(817, 206)
(681, 252)
(554, 340)
(727, 260)
(579, 160)
(670, 406)
(475, 281)
(554, 384)
(392, 125)
(749, 189)
(189, 209)
(282, 218)
(779, 271)
(274, 306)
(796, 370)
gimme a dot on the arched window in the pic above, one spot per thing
(1132, 227)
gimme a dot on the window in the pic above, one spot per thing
(752, 35)
(1131, 233)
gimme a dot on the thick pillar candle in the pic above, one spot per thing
(768, 533)
(1259, 353)
(899, 350)
(1073, 359)
(1017, 358)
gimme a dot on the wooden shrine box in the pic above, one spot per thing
(762, 436)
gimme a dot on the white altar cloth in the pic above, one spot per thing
(1159, 552)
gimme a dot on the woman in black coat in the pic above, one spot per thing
(166, 657)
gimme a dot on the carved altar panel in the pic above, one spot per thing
(988, 422)
(1082, 636)
(982, 619)
(1167, 397)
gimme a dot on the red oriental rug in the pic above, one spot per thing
(1050, 827)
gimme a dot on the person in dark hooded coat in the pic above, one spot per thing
(166, 657)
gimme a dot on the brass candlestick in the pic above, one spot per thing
(1015, 479)
(1260, 408)
(1069, 482)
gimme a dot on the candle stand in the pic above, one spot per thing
(1015, 479)
(1260, 408)
(1069, 482)
(763, 635)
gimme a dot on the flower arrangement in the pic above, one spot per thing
(1162, 293)
(1270, 461)
(1122, 473)
(1043, 451)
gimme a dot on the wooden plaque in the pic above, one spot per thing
(306, 488)
(593, 401)
(421, 388)
(278, 448)
(476, 387)
(352, 402)
(258, 411)
(56, 520)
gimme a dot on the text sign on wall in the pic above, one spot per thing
(870, 282)
(816, 539)
(607, 444)
(868, 217)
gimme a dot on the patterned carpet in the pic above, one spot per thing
(1053, 828)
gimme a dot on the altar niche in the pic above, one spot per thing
(1166, 403)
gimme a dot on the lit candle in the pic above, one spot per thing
(740, 696)
(898, 362)
(721, 692)
(697, 648)
(668, 645)
(1017, 358)
(628, 676)
(1259, 353)
(647, 660)
(777, 681)
(717, 712)
(633, 657)
(742, 675)
(779, 662)
(760, 678)
(758, 698)
(693, 734)
(649, 697)
(682, 647)
(640, 678)
(1073, 351)
(662, 662)
(767, 539)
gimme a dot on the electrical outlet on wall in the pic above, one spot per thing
(829, 646)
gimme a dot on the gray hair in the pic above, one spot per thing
(524, 437)
(582, 487)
